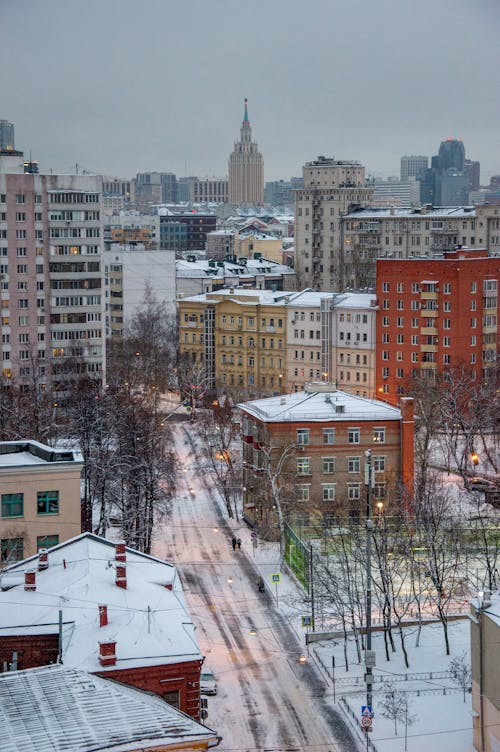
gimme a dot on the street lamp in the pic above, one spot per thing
(369, 654)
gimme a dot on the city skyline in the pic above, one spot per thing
(120, 89)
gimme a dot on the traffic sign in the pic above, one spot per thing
(276, 577)
(253, 535)
(367, 711)
(307, 621)
(366, 723)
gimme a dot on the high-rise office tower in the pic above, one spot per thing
(451, 154)
(246, 168)
(331, 189)
(6, 135)
(473, 172)
(413, 166)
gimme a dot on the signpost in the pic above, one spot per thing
(307, 621)
(276, 578)
(366, 718)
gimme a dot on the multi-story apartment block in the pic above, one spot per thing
(220, 244)
(485, 665)
(348, 341)
(320, 437)
(251, 244)
(187, 231)
(332, 189)
(403, 232)
(51, 277)
(436, 315)
(246, 169)
(239, 337)
(304, 340)
(195, 276)
(40, 498)
(131, 228)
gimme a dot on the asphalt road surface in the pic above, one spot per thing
(267, 700)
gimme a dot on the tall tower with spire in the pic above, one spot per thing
(246, 168)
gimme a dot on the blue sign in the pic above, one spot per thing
(367, 710)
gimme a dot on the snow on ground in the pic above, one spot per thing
(444, 721)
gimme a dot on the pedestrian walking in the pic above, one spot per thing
(238, 542)
(233, 541)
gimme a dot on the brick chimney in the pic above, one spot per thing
(120, 553)
(107, 653)
(30, 579)
(121, 575)
(103, 615)
(43, 559)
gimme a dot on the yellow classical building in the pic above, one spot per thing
(239, 338)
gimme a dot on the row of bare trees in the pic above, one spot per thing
(119, 427)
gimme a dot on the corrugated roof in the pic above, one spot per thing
(60, 709)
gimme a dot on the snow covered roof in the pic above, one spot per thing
(150, 623)
(56, 709)
(203, 268)
(320, 402)
(354, 300)
(26, 452)
(407, 212)
(309, 298)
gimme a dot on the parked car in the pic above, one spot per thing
(208, 685)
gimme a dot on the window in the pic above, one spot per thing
(328, 491)
(446, 323)
(353, 464)
(12, 505)
(328, 465)
(379, 435)
(379, 491)
(303, 466)
(11, 549)
(302, 490)
(446, 341)
(328, 435)
(447, 288)
(353, 435)
(47, 502)
(46, 541)
(353, 491)
(302, 436)
(379, 464)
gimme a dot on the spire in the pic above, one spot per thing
(245, 116)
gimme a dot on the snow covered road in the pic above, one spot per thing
(266, 698)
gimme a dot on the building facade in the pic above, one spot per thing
(405, 232)
(434, 316)
(51, 277)
(246, 169)
(413, 166)
(485, 664)
(186, 232)
(318, 439)
(130, 275)
(40, 498)
(332, 189)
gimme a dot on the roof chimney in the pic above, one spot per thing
(43, 559)
(30, 579)
(121, 575)
(107, 653)
(103, 615)
(120, 553)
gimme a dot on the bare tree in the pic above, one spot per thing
(394, 706)
(461, 673)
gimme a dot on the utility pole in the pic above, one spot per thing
(369, 654)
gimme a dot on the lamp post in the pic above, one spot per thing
(369, 655)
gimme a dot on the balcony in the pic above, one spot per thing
(428, 348)
(429, 296)
(428, 330)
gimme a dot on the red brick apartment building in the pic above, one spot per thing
(435, 315)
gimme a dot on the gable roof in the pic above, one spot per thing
(321, 405)
(150, 623)
(55, 709)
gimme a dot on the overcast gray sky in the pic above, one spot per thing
(122, 86)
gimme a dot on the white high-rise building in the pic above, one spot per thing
(51, 277)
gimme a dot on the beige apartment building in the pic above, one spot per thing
(404, 233)
(40, 498)
(303, 339)
(485, 664)
(255, 245)
(332, 188)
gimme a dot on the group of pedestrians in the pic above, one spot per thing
(236, 543)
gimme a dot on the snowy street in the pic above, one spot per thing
(267, 698)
